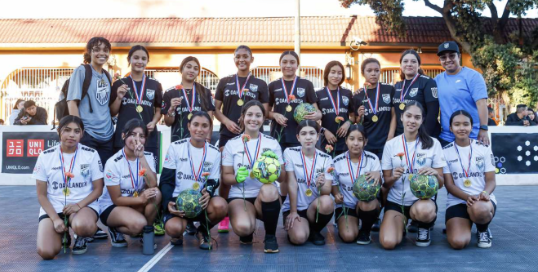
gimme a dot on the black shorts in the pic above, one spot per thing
(407, 209)
(62, 216)
(249, 199)
(106, 213)
(300, 213)
(338, 212)
(199, 218)
(460, 210)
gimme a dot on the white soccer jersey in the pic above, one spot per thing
(117, 173)
(234, 155)
(481, 162)
(86, 168)
(343, 166)
(301, 168)
(432, 157)
(189, 169)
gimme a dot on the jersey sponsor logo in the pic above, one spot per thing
(456, 175)
(452, 161)
(323, 99)
(278, 90)
(458, 81)
(183, 159)
(230, 83)
(299, 165)
(85, 170)
(434, 92)
(253, 87)
(61, 185)
(301, 92)
(345, 99)
(413, 92)
(386, 98)
(150, 94)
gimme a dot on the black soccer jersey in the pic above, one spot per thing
(179, 127)
(377, 131)
(304, 93)
(150, 95)
(340, 99)
(228, 93)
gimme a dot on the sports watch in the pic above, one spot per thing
(484, 127)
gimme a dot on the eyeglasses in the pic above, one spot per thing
(452, 56)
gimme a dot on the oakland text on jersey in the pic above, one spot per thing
(61, 185)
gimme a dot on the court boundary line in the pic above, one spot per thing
(153, 261)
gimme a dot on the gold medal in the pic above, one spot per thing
(139, 109)
(375, 118)
(240, 102)
(189, 116)
(66, 191)
(196, 186)
(467, 183)
(308, 192)
(135, 194)
(289, 108)
(402, 106)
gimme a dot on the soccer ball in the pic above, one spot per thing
(188, 201)
(365, 190)
(266, 169)
(302, 110)
(424, 187)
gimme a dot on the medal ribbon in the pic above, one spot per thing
(197, 174)
(337, 106)
(70, 166)
(350, 167)
(240, 89)
(286, 90)
(402, 94)
(376, 99)
(131, 172)
(190, 105)
(139, 98)
(406, 150)
(309, 177)
(470, 155)
(252, 160)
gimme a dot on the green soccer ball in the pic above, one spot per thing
(365, 190)
(424, 187)
(302, 110)
(188, 201)
(266, 169)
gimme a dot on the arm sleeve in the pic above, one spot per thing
(386, 160)
(114, 92)
(151, 161)
(328, 164)
(351, 106)
(215, 171)
(264, 92)
(74, 92)
(97, 167)
(377, 164)
(165, 104)
(209, 98)
(438, 160)
(219, 94)
(288, 161)
(278, 151)
(311, 96)
(478, 87)
(271, 92)
(40, 172)
(170, 159)
(489, 159)
(431, 116)
(158, 102)
(112, 174)
(227, 155)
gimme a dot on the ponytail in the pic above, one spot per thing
(427, 141)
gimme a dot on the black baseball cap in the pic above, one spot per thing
(450, 46)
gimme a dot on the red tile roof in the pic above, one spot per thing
(323, 31)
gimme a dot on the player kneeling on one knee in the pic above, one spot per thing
(470, 181)
(412, 153)
(69, 179)
(352, 168)
(190, 175)
(309, 207)
(131, 198)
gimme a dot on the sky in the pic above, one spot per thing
(200, 8)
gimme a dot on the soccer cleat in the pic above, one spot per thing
(80, 245)
(203, 238)
(271, 245)
(159, 228)
(364, 238)
(483, 240)
(423, 237)
(99, 234)
(316, 238)
(224, 225)
(246, 240)
(116, 238)
(191, 228)
(376, 225)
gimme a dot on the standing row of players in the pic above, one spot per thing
(139, 98)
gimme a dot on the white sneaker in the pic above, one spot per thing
(483, 240)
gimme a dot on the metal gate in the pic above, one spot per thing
(170, 77)
(392, 75)
(271, 73)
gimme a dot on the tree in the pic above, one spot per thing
(505, 60)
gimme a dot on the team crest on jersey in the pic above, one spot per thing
(386, 98)
(301, 92)
(480, 163)
(109, 174)
(413, 92)
(421, 159)
(85, 170)
(150, 94)
(101, 95)
(345, 99)
(434, 92)
(253, 88)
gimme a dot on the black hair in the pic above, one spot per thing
(17, 103)
(519, 107)
(490, 109)
(134, 49)
(359, 128)
(201, 114)
(289, 52)
(66, 120)
(308, 123)
(243, 47)
(368, 61)
(427, 141)
(460, 112)
(29, 103)
(201, 90)
(131, 125)
(95, 41)
(247, 106)
(327, 71)
(414, 53)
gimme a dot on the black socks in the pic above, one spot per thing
(323, 220)
(368, 218)
(270, 211)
